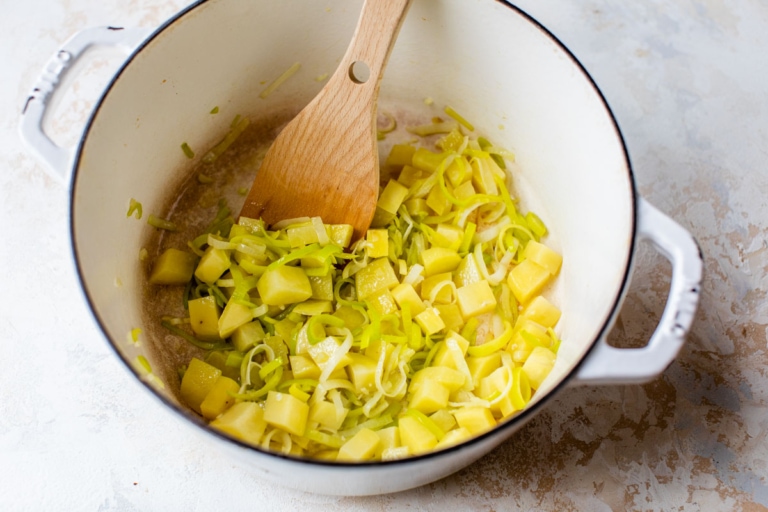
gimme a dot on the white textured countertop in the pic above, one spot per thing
(688, 83)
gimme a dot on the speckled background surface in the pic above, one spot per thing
(688, 83)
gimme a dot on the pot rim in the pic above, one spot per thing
(518, 420)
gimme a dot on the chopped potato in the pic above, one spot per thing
(429, 330)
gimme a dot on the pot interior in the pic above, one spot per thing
(487, 60)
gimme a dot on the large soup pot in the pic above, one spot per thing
(498, 67)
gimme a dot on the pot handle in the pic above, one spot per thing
(610, 365)
(58, 159)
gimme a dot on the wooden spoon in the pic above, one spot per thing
(325, 161)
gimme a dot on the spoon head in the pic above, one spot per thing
(328, 169)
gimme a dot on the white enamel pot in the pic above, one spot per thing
(487, 59)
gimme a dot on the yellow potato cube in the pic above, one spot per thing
(416, 206)
(362, 372)
(219, 398)
(204, 318)
(250, 225)
(493, 383)
(468, 272)
(443, 356)
(322, 287)
(448, 377)
(287, 412)
(481, 367)
(476, 299)
(454, 437)
(400, 155)
(247, 335)
(440, 281)
(361, 447)
(438, 201)
(278, 346)
(377, 275)
(538, 365)
(464, 191)
(240, 229)
(213, 263)
(458, 173)
(389, 438)
(323, 350)
(437, 260)
(443, 419)
(541, 311)
(532, 329)
(406, 294)
(430, 322)
(233, 316)
(482, 175)
(429, 396)
(312, 307)
(452, 141)
(451, 315)
(197, 382)
(415, 436)
(527, 335)
(427, 160)
(284, 285)
(301, 235)
(340, 234)
(475, 419)
(326, 414)
(448, 236)
(374, 349)
(173, 267)
(218, 358)
(303, 367)
(381, 218)
(243, 421)
(543, 256)
(378, 243)
(284, 328)
(390, 200)
(382, 301)
(507, 406)
(410, 175)
(527, 280)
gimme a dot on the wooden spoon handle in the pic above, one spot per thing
(374, 37)
(344, 95)
(325, 161)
